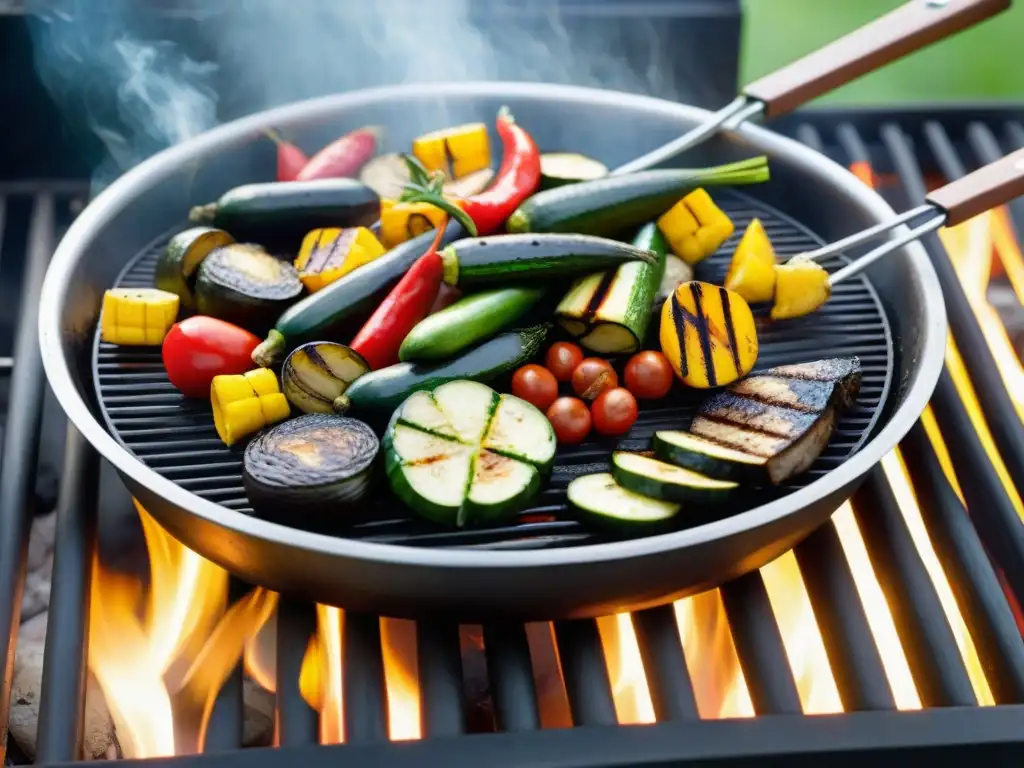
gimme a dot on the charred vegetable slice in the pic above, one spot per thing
(709, 458)
(444, 460)
(801, 287)
(668, 482)
(388, 176)
(708, 335)
(785, 415)
(177, 265)
(329, 254)
(598, 499)
(316, 463)
(316, 374)
(608, 312)
(752, 269)
(559, 168)
(695, 227)
(457, 151)
(137, 316)
(400, 221)
(245, 285)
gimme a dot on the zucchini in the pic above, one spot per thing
(650, 477)
(323, 313)
(443, 460)
(676, 271)
(245, 285)
(468, 321)
(504, 258)
(608, 312)
(560, 168)
(612, 204)
(177, 265)
(709, 458)
(598, 499)
(383, 390)
(280, 213)
(388, 175)
(316, 374)
(316, 465)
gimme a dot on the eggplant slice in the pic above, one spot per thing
(785, 415)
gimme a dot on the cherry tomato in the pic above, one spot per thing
(570, 419)
(592, 377)
(562, 359)
(648, 375)
(536, 385)
(199, 348)
(614, 412)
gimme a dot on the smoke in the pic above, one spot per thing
(145, 75)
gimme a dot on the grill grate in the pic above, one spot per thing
(175, 436)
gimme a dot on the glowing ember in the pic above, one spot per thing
(398, 646)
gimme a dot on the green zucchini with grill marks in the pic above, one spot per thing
(709, 458)
(659, 480)
(177, 265)
(560, 168)
(598, 499)
(501, 259)
(784, 415)
(315, 469)
(451, 457)
(245, 285)
(316, 375)
(609, 312)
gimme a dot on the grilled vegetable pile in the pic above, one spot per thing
(462, 315)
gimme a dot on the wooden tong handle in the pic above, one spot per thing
(910, 27)
(989, 186)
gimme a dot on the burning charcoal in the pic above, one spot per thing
(36, 598)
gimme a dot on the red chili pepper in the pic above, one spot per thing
(409, 302)
(517, 179)
(290, 159)
(342, 157)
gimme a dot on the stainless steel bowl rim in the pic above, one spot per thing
(97, 214)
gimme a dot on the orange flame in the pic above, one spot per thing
(625, 670)
(398, 646)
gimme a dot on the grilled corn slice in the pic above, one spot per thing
(457, 151)
(244, 404)
(138, 316)
(752, 269)
(801, 287)
(329, 254)
(695, 227)
(403, 221)
(708, 335)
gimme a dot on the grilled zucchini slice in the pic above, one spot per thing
(598, 499)
(659, 480)
(709, 458)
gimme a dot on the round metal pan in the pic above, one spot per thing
(473, 583)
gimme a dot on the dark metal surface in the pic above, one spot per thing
(661, 651)
(585, 673)
(297, 722)
(511, 676)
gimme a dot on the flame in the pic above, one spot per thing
(138, 659)
(320, 674)
(625, 669)
(398, 646)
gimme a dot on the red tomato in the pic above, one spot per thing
(648, 375)
(570, 419)
(562, 359)
(614, 412)
(536, 385)
(592, 377)
(199, 348)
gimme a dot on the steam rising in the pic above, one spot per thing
(145, 75)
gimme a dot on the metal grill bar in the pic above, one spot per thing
(439, 662)
(661, 651)
(759, 647)
(67, 628)
(851, 648)
(362, 684)
(584, 672)
(809, 135)
(224, 732)
(21, 440)
(510, 674)
(297, 723)
(852, 143)
(932, 653)
(978, 593)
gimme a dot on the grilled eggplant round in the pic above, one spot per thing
(319, 465)
(316, 375)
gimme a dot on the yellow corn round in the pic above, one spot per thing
(456, 151)
(138, 316)
(244, 404)
(695, 227)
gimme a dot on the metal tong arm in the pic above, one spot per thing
(906, 29)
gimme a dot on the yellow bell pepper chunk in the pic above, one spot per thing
(246, 403)
(801, 287)
(708, 335)
(138, 316)
(329, 254)
(403, 221)
(695, 227)
(752, 269)
(457, 151)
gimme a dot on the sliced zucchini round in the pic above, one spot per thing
(316, 374)
(177, 265)
(521, 431)
(709, 458)
(428, 472)
(560, 168)
(598, 499)
(650, 477)
(245, 285)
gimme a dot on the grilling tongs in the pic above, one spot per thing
(908, 28)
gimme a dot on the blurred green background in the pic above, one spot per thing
(979, 64)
